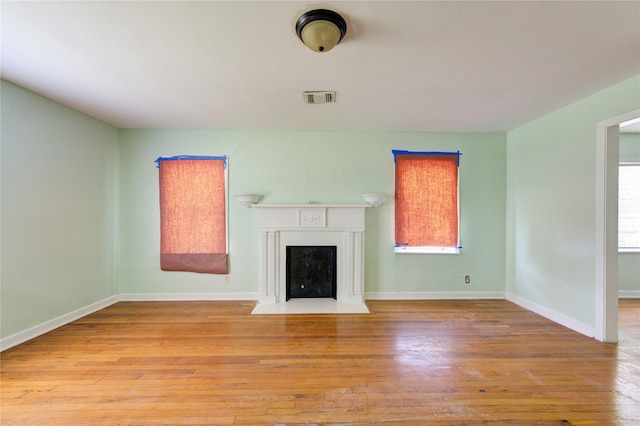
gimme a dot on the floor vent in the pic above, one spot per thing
(319, 97)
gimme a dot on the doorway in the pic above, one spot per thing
(606, 259)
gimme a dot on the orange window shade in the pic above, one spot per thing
(426, 200)
(193, 235)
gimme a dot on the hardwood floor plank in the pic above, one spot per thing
(408, 362)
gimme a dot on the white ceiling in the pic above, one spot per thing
(418, 65)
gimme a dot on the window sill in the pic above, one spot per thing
(427, 250)
(629, 250)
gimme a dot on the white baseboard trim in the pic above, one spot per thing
(434, 295)
(33, 332)
(629, 294)
(573, 324)
(185, 297)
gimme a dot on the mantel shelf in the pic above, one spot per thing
(311, 206)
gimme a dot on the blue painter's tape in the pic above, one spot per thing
(403, 152)
(191, 157)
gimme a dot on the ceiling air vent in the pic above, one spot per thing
(319, 97)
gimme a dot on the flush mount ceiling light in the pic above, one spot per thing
(321, 29)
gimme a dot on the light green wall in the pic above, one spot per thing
(58, 211)
(325, 167)
(629, 263)
(551, 203)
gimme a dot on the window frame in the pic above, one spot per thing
(225, 174)
(621, 164)
(457, 249)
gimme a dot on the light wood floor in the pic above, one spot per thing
(408, 362)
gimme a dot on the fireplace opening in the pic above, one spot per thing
(311, 272)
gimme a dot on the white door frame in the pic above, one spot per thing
(606, 241)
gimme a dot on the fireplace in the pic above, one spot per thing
(284, 226)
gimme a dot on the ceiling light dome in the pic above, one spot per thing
(321, 29)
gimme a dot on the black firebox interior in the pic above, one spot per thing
(311, 272)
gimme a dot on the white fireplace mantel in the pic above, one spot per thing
(282, 225)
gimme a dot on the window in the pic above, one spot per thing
(193, 223)
(426, 202)
(629, 207)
